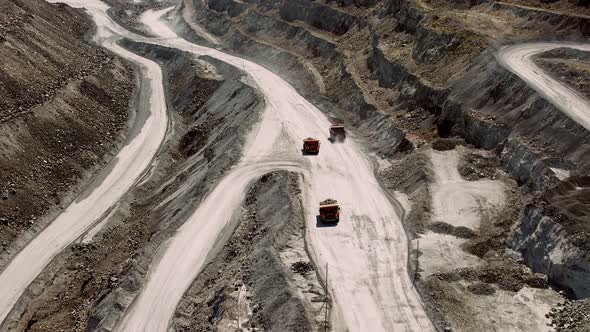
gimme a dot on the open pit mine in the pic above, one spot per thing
(294, 165)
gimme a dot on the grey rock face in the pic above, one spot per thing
(546, 248)
(432, 46)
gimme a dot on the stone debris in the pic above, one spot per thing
(571, 316)
(302, 267)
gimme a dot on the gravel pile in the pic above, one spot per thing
(446, 144)
(445, 228)
(502, 270)
(302, 267)
(481, 288)
(573, 316)
(474, 167)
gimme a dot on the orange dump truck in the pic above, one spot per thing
(311, 146)
(329, 211)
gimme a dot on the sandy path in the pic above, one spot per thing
(116, 179)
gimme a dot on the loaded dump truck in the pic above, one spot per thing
(337, 133)
(311, 146)
(329, 211)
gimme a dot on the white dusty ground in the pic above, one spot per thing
(457, 202)
(561, 174)
(519, 60)
(463, 203)
(115, 180)
(442, 253)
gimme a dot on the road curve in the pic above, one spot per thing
(366, 252)
(116, 179)
(519, 60)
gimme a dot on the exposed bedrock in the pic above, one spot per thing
(549, 248)
(538, 145)
(356, 3)
(431, 45)
(475, 97)
(65, 109)
(389, 74)
(408, 17)
(554, 235)
(347, 104)
(493, 109)
(563, 23)
(211, 112)
(528, 122)
(318, 15)
(270, 26)
(313, 13)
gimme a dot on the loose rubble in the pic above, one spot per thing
(571, 316)
(62, 114)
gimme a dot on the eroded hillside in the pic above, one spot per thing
(465, 123)
(407, 73)
(64, 105)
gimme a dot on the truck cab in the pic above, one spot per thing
(329, 211)
(311, 146)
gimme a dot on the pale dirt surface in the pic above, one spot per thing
(561, 174)
(459, 202)
(366, 252)
(562, 7)
(125, 169)
(473, 204)
(443, 253)
(519, 60)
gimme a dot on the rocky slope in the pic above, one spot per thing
(402, 73)
(64, 108)
(94, 280)
(261, 275)
(399, 74)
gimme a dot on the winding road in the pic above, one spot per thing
(519, 60)
(366, 252)
(114, 181)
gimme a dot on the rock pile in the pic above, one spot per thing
(572, 316)
(502, 270)
(474, 167)
(446, 144)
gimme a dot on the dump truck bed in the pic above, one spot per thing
(329, 201)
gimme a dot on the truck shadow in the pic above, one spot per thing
(320, 224)
(336, 140)
(303, 153)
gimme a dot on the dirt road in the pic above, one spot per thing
(519, 60)
(366, 252)
(116, 179)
